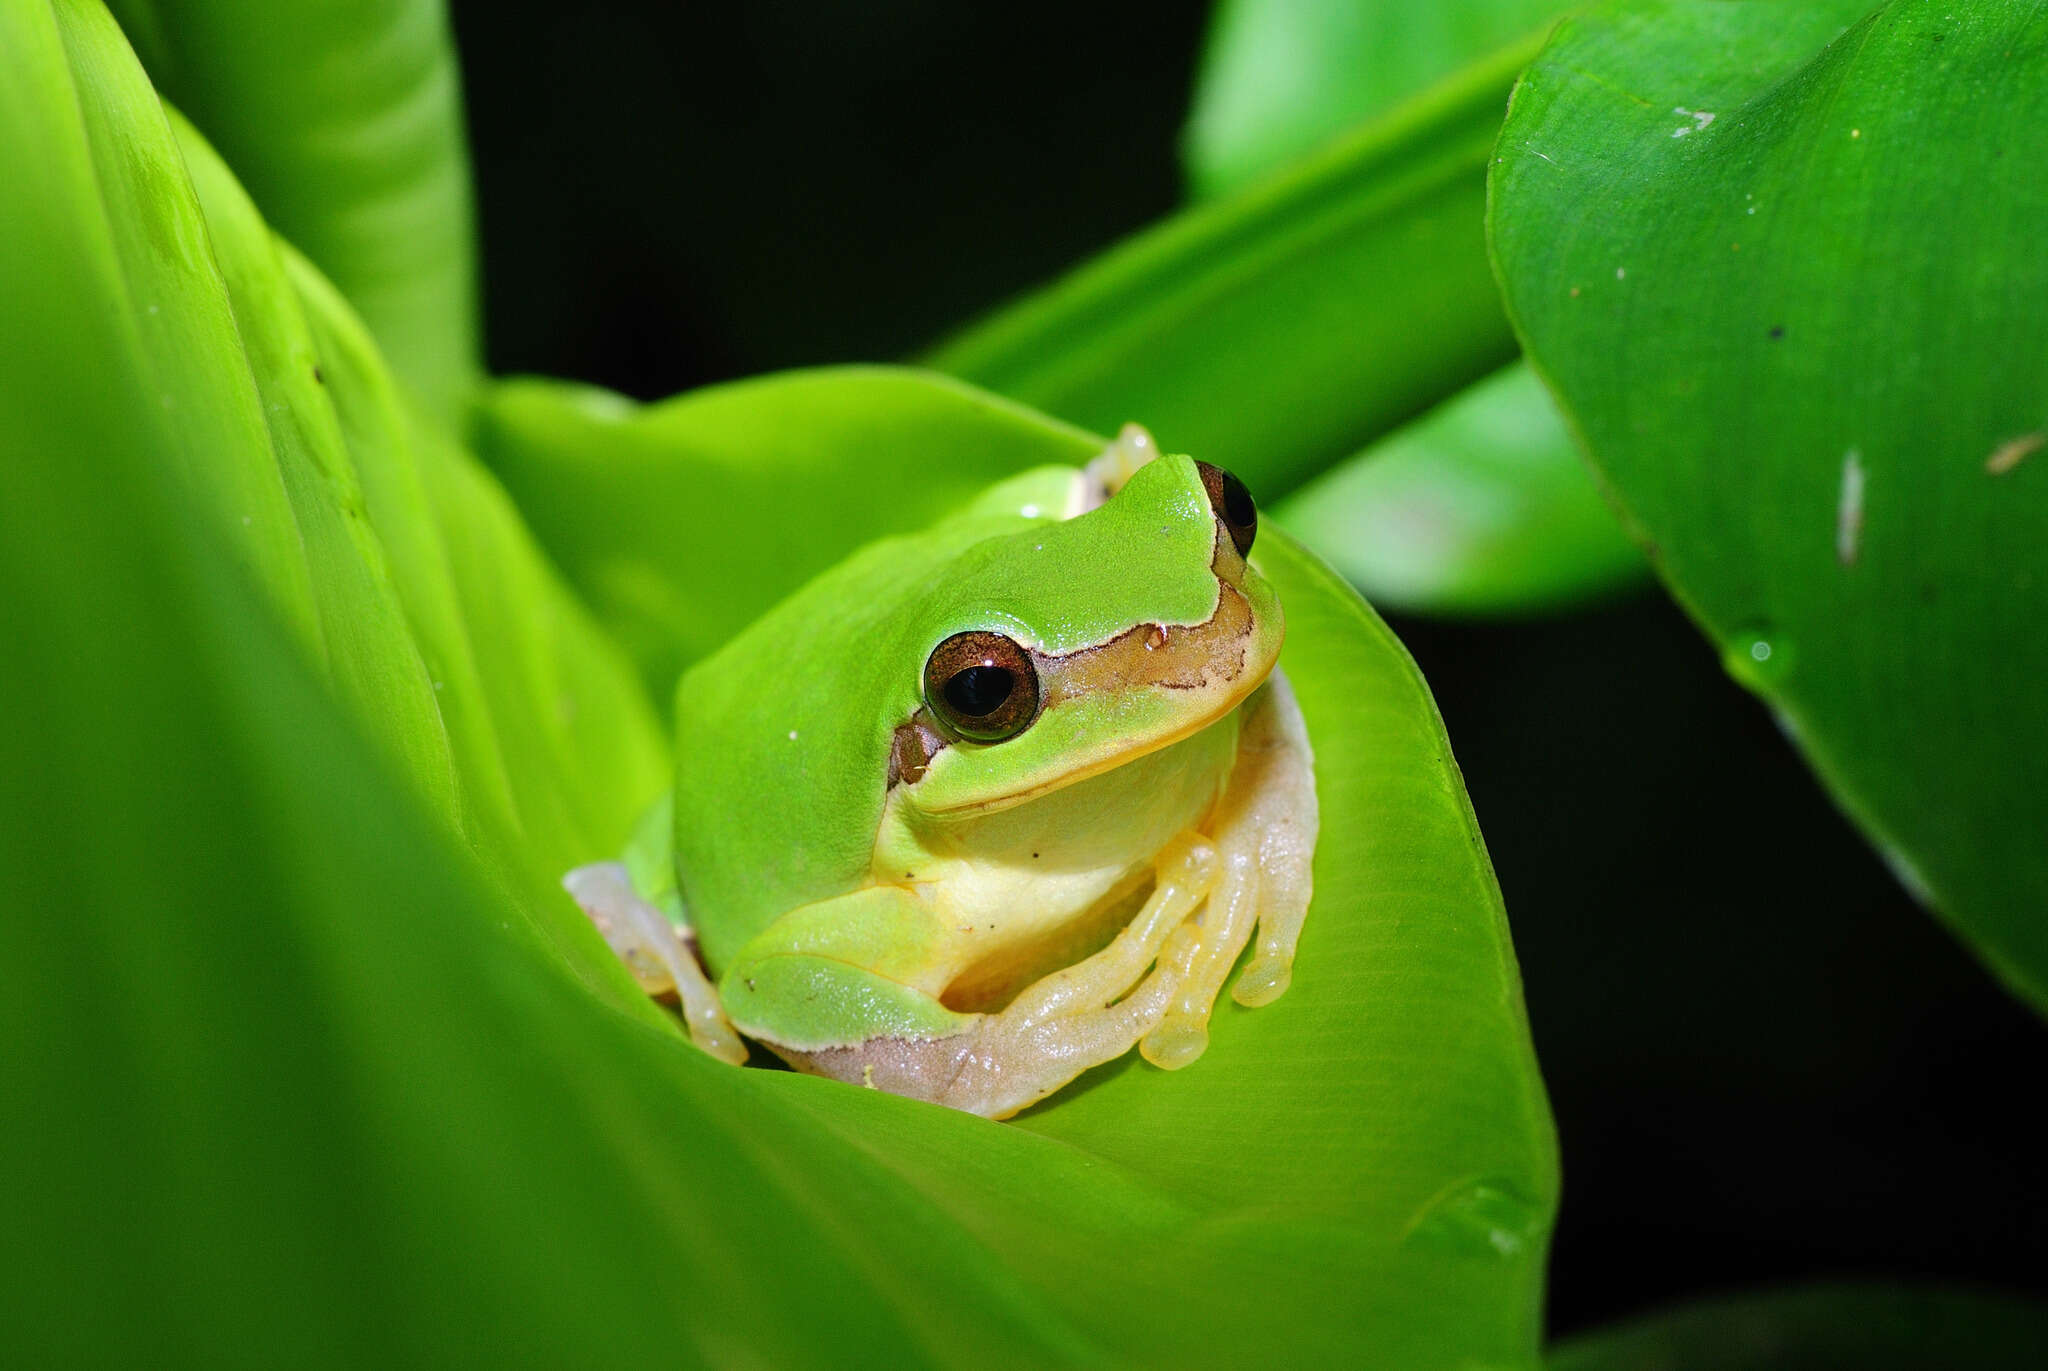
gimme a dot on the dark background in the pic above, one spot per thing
(1766, 1062)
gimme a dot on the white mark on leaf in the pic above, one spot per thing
(1700, 119)
(1849, 509)
(2012, 452)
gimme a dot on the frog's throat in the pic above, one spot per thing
(1218, 662)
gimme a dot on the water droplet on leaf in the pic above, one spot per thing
(1485, 1216)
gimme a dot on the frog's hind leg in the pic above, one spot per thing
(1057, 1027)
(1265, 833)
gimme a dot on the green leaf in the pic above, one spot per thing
(345, 123)
(1869, 1326)
(1481, 507)
(1782, 266)
(311, 1075)
(363, 638)
(263, 399)
(681, 522)
(1281, 328)
(1281, 77)
(1419, 1201)
(313, 1098)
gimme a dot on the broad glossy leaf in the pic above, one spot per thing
(1278, 329)
(345, 123)
(1404, 1183)
(293, 1092)
(1483, 506)
(1782, 265)
(1280, 77)
(1872, 1327)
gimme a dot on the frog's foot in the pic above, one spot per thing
(1057, 1027)
(654, 950)
(1265, 834)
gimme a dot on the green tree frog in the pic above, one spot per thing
(983, 807)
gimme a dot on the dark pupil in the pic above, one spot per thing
(1237, 502)
(979, 690)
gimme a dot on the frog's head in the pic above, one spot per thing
(1071, 647)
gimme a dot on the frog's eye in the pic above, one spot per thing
(1233, 505)
(982, 686)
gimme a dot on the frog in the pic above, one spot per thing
(987, 805)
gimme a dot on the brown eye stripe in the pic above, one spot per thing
(1176, 658)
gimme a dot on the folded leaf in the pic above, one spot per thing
(1380, 1132)
(261, 395)
(345, 123)
(1782, 266)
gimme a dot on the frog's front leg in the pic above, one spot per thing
(794, 991)
(1265, 832)
(655, 952)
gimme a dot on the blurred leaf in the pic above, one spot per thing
(681, 522)
(1800, 335)
(1481, 507)
(1280, 77)
(1870, 1327)
(1281, 328)
(345, 123)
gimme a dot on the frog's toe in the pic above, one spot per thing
(1283, 907)
(1223, 927)
(1265, 831)
(1265, 980)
